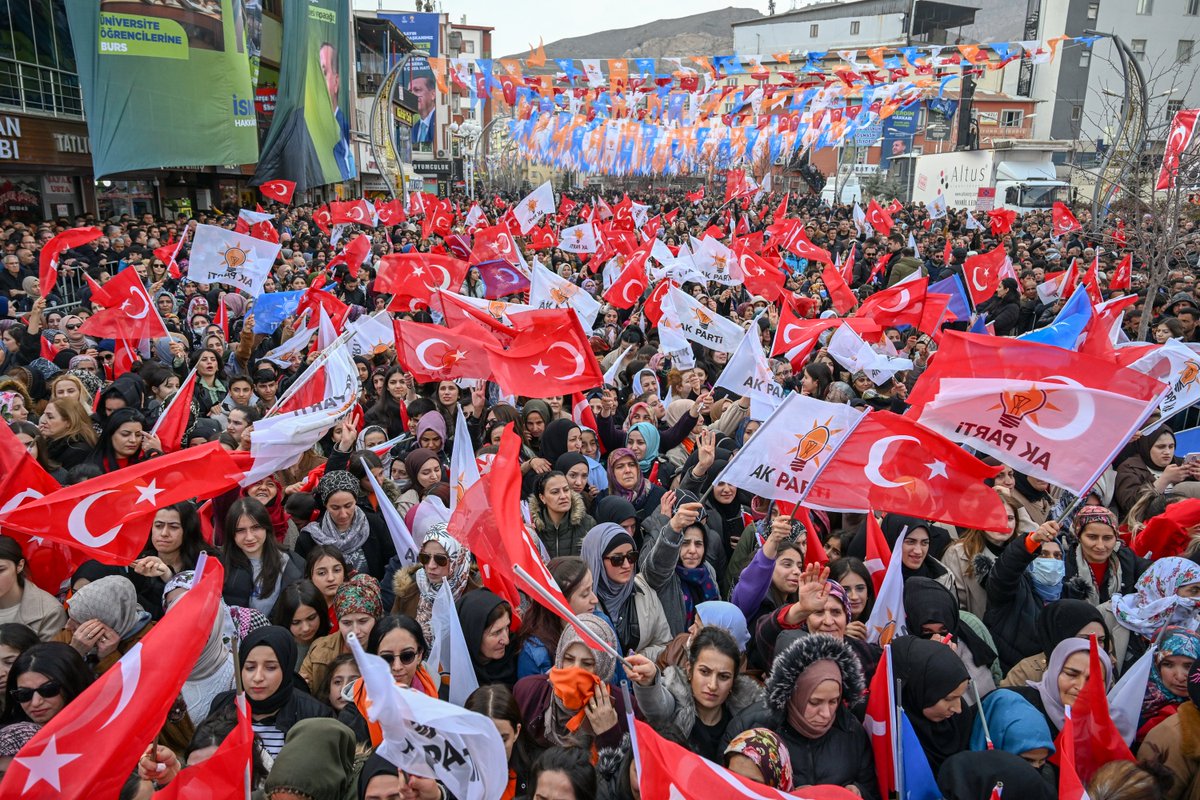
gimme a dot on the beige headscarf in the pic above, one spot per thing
(113, 601)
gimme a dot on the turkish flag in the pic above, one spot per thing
(131, 496)
(412, 277)
(1100, 332)
(696, 196)
(839, 292)
(223, 774)
(129, 311)
(581, 413)
(438, 353)
(652, 308)
(549, 356)
(494, 243)
(90, 747)
(390, 213)
(1001, 220)
(881, 706)
(623, 214)
(1183, 127)
(879, 553)
(49, 564)
(353, 256)
(631, 284)
(903, 304)
(543, 238)
(168, 254)
(670, 772)
(781, 209)
(352, 212)
(172, 424)
(794, 239)
(1091, 282)
(1070, 787)
(439, 217)
(1096, 740)
(315, 298)
(803, 307)
(879, 219)
(48, 350)
(891, 463)
(1122, 277)
(760, 275)
(458, 310)
(48, 257)
(323, 218)
(278, 189)
(1062, 220)
(982, 273)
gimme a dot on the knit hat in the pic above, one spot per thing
(338, 480)
(1086, 515)
(14, 737)
(359, 595)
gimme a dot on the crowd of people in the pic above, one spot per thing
(741, 649)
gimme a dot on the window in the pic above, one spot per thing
(468, 46)
(1191, 8)
(1076, 113)
(1012, 118)
(1085, 56)
(1145, 7)
(1138, 46)
(1183, 51)
(1093, 11)
(854, 26)
(1173, 108)
(814, 31)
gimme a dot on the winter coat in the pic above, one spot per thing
(1133, 477)
(904, 267)
(40, 611)
(239, 581)
(299, 706)
(320, 655)
(1124, 568)
(565, 538)
(669, 701)
(842, 756)
(657, 562)
(1013, 604)
(1175, 745)
(407, 595)
(971, 594)
(653, 632)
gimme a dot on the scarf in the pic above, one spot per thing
(1154, 602)
(638, 492)
(1176, 641)
(473, 610)
(113, 601)
(929, 672)
(616, 598)
(349, 541)
(807, 682)
(650, 435)
(764, 747)
(728, 617)
(572, 690)
(275, 510)
(284, 646)
(216, 652)
(1047, 687)
(1112, 577)
(460, 569)
(698, 587)
(928, 602)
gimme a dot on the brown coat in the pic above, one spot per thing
(1175, 744)
(320, 655)
(1031, 668)
(408, 596)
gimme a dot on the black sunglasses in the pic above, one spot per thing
(405, 657)
(620, 559)
(47, 689)
(441, 560)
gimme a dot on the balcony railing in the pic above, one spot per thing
(29, 87)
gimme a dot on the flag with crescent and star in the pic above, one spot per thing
(440, 353)
(411, 278)
(549, 355)
(129, 313)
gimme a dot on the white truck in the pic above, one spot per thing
(1016, 175)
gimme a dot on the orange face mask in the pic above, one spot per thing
(574, 688)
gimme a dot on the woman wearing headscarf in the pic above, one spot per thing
(357, 606)
(1178, 650)
(572, 706)
(1015, 727)
(268, 663)
(1175, 744)
(626, 480)
(1062, 619)
(1164, 595)
(561, 436)
(1066, 673)
(1035, 496)
(577, 471)
(1026, 578)
(441, 558)
(931, 610)
(698, 701)
(535, 416)
(934, 681)
(1153, 467)
(362, 537)
(1097, 565)
(104, 622)
(634, 608)
(431, 431)
(424, 470)
(812, 685)
(717, 613)
(643, 439)
(485, 618)
(760, 755)
(921, 541)
(974, 776)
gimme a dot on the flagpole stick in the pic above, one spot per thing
(309, 371)
(633, 742)
(987, 733)
(1071, 509)
(898, 743)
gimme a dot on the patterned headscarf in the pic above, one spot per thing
(768, 752)
(1086, 515)
(1176, 641)
(14, 737)
(614, 488)
(7, 400)
(338, 480)
(460, 572)
(359, 595)
(1154, 601)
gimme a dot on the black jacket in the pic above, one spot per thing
(378, 548)
(1076, 585)
(239, 582)
(1013, 604)
(300, 706)
(68, 451)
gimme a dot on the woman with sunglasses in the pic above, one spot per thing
(634, 608)
(442, 558)
(42, 681)
(398, 640)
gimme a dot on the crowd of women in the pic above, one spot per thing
(741, 649)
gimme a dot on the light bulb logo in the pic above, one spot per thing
(1019, 404)
(703, 318)
(810, 445)
(1191, 371)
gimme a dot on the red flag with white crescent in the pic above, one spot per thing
(1183, 127)
(278, 189)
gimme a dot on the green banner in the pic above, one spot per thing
(164, 84)
(309, 140)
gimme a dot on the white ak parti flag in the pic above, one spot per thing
(235, 259)
(536, 204)
(547, 290)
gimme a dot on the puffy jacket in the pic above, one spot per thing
(566, 537)
(1012, 604)
(669, 702)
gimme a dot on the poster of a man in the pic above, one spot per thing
(327, 54)
(425, 89)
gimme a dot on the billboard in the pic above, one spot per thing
(309, 139)
(165, 84)
(898, 132)
(941, 114)
(417, 76)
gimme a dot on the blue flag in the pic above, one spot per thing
(272, 308)
(953, 286)
(1187, 441)
(918, 776)
(1067, 326)
(980, 325)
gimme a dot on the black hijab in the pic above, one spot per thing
(972, 776)
(564, 462)
(895, 525)
(1145, 444)
(376, 765)
(554, 438)
(473, 611)
(929, 671)
(1028, 492)
(1063, 619)
(281, 642)
(926, 601)
(612, 508)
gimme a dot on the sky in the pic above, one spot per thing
(520, 22)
